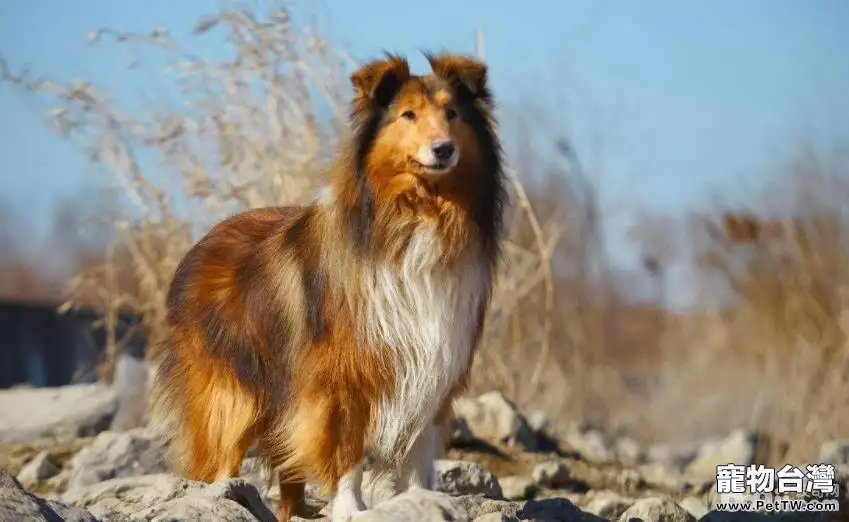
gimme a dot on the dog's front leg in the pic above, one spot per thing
(418, 470)
(348, 501)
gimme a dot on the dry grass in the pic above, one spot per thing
(770, 351)
(257, 129)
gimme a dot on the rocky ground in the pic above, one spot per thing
(60, 463)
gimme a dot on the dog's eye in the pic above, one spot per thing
(450, 114)
(409, 115)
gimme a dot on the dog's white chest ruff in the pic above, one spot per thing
(426, 315)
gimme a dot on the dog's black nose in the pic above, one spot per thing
(443, 150)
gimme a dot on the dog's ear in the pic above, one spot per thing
(464, 72)
(378, 81)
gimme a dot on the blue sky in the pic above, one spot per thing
(671, 103)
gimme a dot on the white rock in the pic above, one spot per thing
(552, 474)
(40, 468)
(834, 452)
(167, 497)
(591, 445)
(417, 505)
(115, 455)
(630, 480)
(666, 477)
(479, 506)
(675, 457)
(16, 504)
(64, 413)
(695, 506)
(656, 509)
(518, 487)
(131, 383)
(538, 421)
(491, 417)
(738, 448)
(458, 477)
(231, 500)
(628, 451)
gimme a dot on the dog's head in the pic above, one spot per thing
(428, 126)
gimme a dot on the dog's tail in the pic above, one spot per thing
(202, 417)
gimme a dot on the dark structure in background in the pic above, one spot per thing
(41, 347)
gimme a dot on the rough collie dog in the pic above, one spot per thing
(344, 328)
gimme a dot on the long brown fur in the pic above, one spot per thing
(266, 311)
